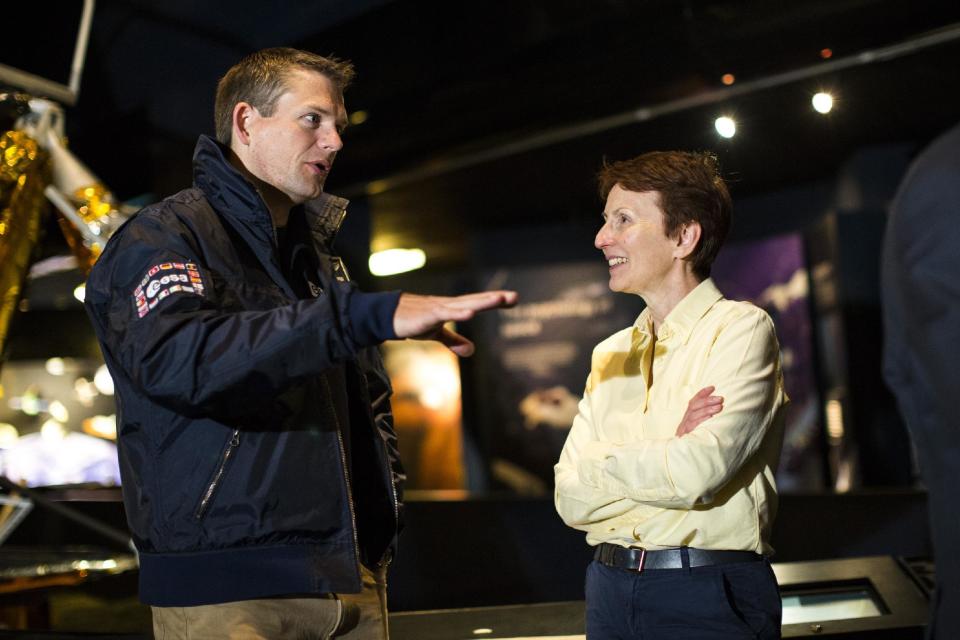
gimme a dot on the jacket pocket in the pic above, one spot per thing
(217, 478)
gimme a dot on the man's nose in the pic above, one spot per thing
(330, 141)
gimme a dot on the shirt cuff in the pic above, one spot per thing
(371, 316)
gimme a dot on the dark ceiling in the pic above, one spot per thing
(463, 97)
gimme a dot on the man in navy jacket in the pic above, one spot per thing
(259, 462)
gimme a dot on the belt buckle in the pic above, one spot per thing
(643, 557)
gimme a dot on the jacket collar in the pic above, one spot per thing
(683, 318)
(235, 198)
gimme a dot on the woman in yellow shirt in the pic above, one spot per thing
(669, 465)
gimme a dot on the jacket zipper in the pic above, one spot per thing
(218, 476)
(385, 561)
(346, 472)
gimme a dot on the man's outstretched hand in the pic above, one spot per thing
(422, 317)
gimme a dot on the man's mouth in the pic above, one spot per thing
(320, 168)
(615, 260)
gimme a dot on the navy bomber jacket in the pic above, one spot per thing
(256, 441)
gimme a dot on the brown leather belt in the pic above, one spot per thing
(636, 559)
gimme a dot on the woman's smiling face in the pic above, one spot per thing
(638, 252)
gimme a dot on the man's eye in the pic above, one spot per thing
(312, 118)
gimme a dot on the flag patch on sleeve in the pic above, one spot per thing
(166, 279)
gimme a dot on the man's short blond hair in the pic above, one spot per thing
(260, 79)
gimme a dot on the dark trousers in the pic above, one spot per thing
(725, 602)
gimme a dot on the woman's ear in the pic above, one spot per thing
(687, 239)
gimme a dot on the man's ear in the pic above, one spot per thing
(244, 114)
(687, 239)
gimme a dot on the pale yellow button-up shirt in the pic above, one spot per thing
(624, 476)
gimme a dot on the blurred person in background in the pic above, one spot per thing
(921, 315)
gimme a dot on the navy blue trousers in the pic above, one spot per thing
(725, 602)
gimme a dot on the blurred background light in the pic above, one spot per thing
(101, 426)
(103, 381)
(834, 413)
(393, 261)
(58, 412)
(86, 391)
(8, 435)
(55, 366)
(52, 431)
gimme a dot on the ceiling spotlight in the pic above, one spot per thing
(728, 79)
(826, 53)
(725, 126)
(80, 292)
(358, 117)
(393, 261)
(822, 102)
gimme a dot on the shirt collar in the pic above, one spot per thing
(684, 317)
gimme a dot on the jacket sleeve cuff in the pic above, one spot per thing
(371, 316)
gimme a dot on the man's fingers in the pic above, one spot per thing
(418, 315)
(483, 300)
(448, 313)
(456, 343)
(422, 317)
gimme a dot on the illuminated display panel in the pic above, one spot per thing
(830, 604)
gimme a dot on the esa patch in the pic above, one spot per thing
(163, 280)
